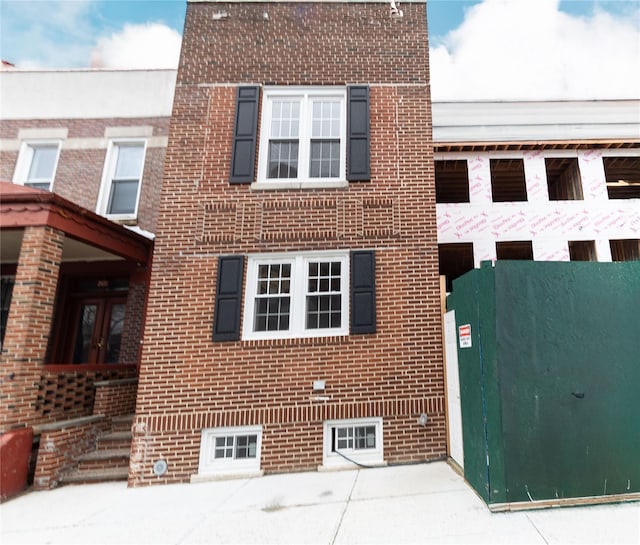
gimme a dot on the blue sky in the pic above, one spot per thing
(477, 46)
(117, 12)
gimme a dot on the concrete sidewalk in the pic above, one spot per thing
(425, 503)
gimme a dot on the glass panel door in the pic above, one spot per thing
(114, 322)
(98, 328)
(85, 346)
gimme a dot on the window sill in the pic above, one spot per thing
(271, 186)
(226, 475)
(297, 341)
(34, 185)
(128, 219)
(295, 336)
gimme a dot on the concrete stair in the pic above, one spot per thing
(110, 460)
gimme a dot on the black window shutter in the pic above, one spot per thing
(245, 132)
(226, 318)
(363, 292)
(358, 164)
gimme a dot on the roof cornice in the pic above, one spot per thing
(303, 2)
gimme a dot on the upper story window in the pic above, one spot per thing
(625, 250)
(623, 177)
(122, 179)
(310, 137)
(303, 135)
(297, 296)
(452, 181)
(37, 163)
(508, 183)
(311, 294)
(563, 179)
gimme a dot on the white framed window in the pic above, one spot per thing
(229, 451)
(297, 295)
(351, 442)
(122, 179)
(303, 136)
(37, 164)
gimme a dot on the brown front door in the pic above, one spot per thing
(97, 329)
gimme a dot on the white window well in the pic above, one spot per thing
(348, 443)
(122, 179)
(37, 163)
(292, 296)
(303, 136)
(230, 451)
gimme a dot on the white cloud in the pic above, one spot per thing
(56, 33)
(519, 49)
(152, 45)
(72, 34)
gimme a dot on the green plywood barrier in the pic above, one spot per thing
(550, 386)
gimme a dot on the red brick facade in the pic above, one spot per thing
(115, 397)
(29, 326)
(187, 381)
(61, 447)
(41, 385)
(79, 173)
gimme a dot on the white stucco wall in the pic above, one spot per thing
(86, 94)
(487, 121)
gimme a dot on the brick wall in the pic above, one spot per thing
(303, 44)
(31, 393)
(134, 321)
(29, 324)
(115, 397)
(63, 393)
(79, 172)
(60, 449)
(188, 382)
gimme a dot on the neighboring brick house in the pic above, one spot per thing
(85, 151)
(294, 307)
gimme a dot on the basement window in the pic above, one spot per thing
(454, 260)
(625, 250)
(582, 250)
(452, 181)
(507, 180)
(623, 177)
(230, 451)
(520, 250)
(563, 179)
(351, 442)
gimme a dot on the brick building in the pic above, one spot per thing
(85, 152)
(294, 310)
(294, 305)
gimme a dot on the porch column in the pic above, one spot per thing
(135, 314)
(29, 325)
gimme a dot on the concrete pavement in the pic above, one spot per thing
(424, 503)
